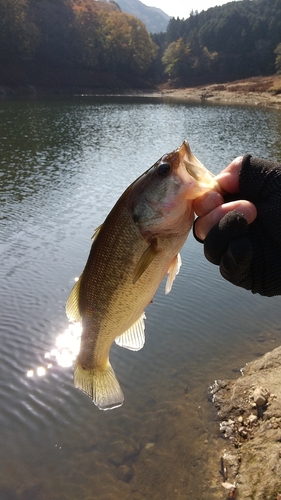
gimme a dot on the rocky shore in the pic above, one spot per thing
(257, 91)
(249, 410)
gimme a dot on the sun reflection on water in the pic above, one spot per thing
(64, 353)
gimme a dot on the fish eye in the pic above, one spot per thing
(164, 169)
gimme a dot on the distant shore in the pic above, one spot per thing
(257, 91)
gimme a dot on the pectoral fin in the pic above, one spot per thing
(133, 338)
(145, 260)
(172, 272)
(72, 304)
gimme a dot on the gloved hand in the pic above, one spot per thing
(250, 255)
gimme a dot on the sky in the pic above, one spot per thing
(182, 8)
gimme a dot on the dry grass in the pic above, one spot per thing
(259, 84)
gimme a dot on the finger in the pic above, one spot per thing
(204, 224)
(228, 179)
(231, 227)
(236, 261)
(207, 202)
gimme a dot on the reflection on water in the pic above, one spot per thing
(64, 163)
(64, 353)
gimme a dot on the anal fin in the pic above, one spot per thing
(101, 385)
(134, 337)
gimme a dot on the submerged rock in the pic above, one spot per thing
(125, 472)
(123, 450)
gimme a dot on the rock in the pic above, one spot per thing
(252, 418)
(227, 427)
(260, 396)
(243, 432)
(122, 451)
(269, 361)
(149, 445)
(125, 472)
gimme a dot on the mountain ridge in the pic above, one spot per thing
(155, 19)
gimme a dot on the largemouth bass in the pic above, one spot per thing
(132, 251)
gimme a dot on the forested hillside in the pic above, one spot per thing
(72, 43)
(88, 43)
(236, 40)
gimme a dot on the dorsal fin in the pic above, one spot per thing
(72, 304)
(96, 232)
(134, 337)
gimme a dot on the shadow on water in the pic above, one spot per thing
(64, 164)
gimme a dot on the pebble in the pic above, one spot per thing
(243, 432)
(252, 418)
(260, 396)
(149, 445)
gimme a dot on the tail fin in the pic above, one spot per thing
(101, 385)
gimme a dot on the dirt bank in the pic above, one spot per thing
(257, 91)
(249, 410)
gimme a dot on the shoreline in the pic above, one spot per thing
(249, 410)
(256, 91)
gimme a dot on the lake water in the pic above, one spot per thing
(64, 163)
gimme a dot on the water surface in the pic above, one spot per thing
(64, 163)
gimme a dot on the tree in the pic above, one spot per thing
(204, 63)
(128, 46)
(142, 49)
(87, 46)
(54, 19)
(278, 58)
(18, 34)
(176, 59)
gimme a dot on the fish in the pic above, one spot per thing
(132, 251)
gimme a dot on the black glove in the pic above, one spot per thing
(250, 255)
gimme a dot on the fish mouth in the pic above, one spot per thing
(192, 165)
(200, 178)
